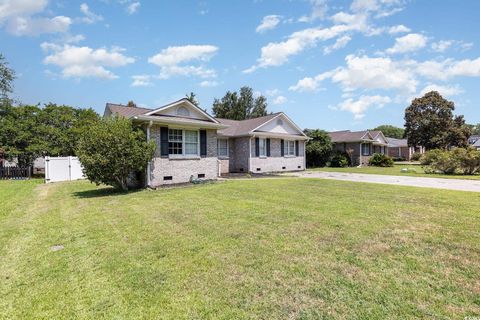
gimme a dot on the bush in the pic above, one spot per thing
(339, 160)
(380, 160)
(398, 159)
(318, 149)
(114, 150)
(458, 160)
(416, 156)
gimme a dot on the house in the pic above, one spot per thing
(360, 144)
(399, 148)
(192, 143)
(476, 145)
(474, 141)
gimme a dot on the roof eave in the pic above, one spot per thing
(181, 123)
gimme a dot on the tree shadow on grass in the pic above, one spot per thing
(103, 192)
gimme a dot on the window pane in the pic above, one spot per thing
(174, 148)
(191, 136)
(191, 148)
(222, 146)
(174, 135)
(262, 147)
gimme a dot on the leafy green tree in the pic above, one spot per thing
(131, 104)
(240, 106)
(429, 122)
(319, 148)
(7, 75)
(113, 149)
(475, 128)
(192, 97)
(391, 131)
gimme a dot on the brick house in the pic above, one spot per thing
(192, 143)
(399, 148)
(360, 144)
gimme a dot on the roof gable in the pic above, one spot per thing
(182, 108)
(279, 124)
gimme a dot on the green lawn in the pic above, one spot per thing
(396, 171)
(262, 249)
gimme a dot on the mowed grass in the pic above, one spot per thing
(251, 249)
(396, 170)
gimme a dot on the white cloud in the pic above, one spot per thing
(449, 68)
(82, 62)
(133, 7)
(408, 43)
(382, 8)
(442, 45)
(279, 100)
(311, 84)
(446, 91)
(268, 23)
(339, 43)
(90, 17)
(207, 83)
(142, 80)
(398, 29)
(361, 105)
(19, 18)
(169, 61)
(319, 9)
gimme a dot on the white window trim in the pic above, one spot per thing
(369, 149)
(286, 149)
(228, 148)
(264, 155)
(183, 155)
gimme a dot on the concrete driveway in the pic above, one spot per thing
(437, 183)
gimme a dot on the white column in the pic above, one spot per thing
(149, 162)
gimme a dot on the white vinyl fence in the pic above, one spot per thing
(62, 169)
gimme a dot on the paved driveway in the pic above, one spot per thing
(438, 183)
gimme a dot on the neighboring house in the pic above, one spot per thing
(191, 143)
(399, 148)
(476, 145)
(474, 141)
(360, 144)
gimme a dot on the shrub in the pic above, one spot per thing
(112, 150)
(318, 149)
(469, 160)
(398, 159)
(440, 161)
(416, 156)
(380, 160)
(339, 160)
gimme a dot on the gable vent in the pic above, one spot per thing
(280, 122)
(182, 111)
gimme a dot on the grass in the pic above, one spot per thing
(415, 170)
(244, 249)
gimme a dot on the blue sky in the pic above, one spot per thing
(327, 64)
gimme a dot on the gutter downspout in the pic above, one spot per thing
(149, 162)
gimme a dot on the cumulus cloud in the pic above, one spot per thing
(170, 59)
(446, 91)
(339, 43)
(207, 84)
(359, 106)
(410, 42)
(133, 7)
(398, 29)
(85, 62)
(279, 100)
(319, 9)
(142, 80)
(20, 17)
(89, 16)
(448, 68)
(268, 23)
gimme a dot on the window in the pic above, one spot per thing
(222, 147)
(366, 149)
(289, 148)
(263, 147)
(183, 142)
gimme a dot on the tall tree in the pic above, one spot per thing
(131, 104)
(192, 97)
(475, 128)
(319, 149)
(391, 131)
(240, 106)
(429, 122)
(7, 75)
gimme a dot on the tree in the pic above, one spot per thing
(240, 106)
(7, 76)
(475, 128)
(28, 132)
(429, 122)
(131, 104)
(113, 149)
(319, 148)
(192, 97)
(391, 131)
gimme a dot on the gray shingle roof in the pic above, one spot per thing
(392, 142)
(125, 111)
(243, 127)
(348, 136)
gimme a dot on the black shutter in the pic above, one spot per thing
(296, 148)
(268, 147)
(203, 143)
(282, 147)
(257, 147)
(164, 141)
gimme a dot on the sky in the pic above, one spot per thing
(331, 65)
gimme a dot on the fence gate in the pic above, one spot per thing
(62, 169)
